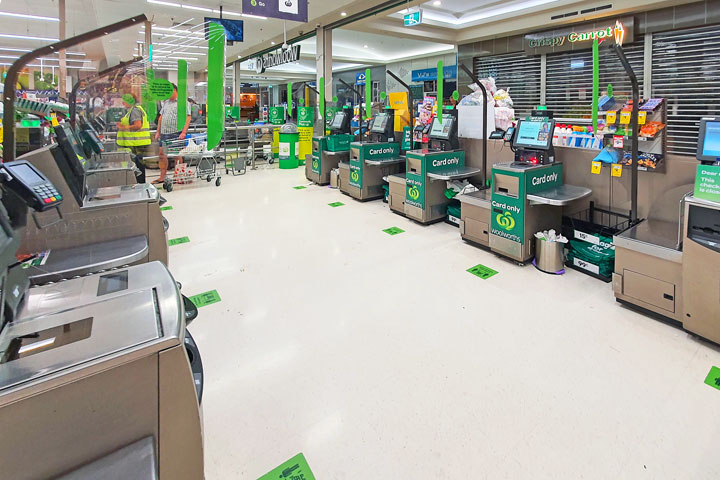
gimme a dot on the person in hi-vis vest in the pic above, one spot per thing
(134, 132)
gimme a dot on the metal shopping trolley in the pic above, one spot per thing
(197, 161)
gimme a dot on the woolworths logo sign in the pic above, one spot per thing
(279, 57)
(414, 192)
(505, 221)
(355, 176)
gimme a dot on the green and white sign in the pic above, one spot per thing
(296, 468)
(413, 18)
(368, 151)
(407, 138)
(508, 213)
(713, 378)
(277, 115)
(429, 162)
(707, 183)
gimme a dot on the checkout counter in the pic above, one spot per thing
(526, 196)
(95, 379)
(329, 151)
(99, 172)
(102, 228)
(429, 170)
(672, 270)
(362, 177)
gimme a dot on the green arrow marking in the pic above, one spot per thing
(336, 204)
(178, 241)
(204, 299)
(482, 271)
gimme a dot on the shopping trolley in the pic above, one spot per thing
(197, 161)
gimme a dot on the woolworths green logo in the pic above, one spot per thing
(355, 176)
(315, 163)
(253, 3)
(506, 221)
(414, 192)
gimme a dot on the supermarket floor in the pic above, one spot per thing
(380, 357)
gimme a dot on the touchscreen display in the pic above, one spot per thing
(442, 130)
(25, 173)
(534, 134)
(380, 123)
(711, 145)
(338, 120)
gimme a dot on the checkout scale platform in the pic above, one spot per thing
(94, 374)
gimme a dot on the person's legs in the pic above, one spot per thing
(139, 163)
(162, 162)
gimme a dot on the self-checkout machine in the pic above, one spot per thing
(329, 150)
(93, 371)
(670, 272)
(527, 194)
(404, 121)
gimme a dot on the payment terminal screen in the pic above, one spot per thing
(338, 120)
(381, 121)
(533, 134)
(442, 130)
(711, 146)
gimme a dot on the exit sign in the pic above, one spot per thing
(413, 18)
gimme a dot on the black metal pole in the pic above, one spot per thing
(410, 108)
(90, 80)
(359, 106)
(22, 62)
(634, 130)
(485, 119)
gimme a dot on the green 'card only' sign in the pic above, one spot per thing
(707, 183)
(296, 468)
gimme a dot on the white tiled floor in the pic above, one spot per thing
(379, 357)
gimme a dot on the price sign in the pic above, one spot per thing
(611, 117)
(616, 170)
(618, 141)
(596, 168)
(642, 118)
(625, 118)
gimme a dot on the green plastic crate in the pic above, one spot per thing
(339, 143)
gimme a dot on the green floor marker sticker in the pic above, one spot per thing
(204, 299)
(300, 187)
(178, 241)
(482, 271)
(713, 378)
(336, 204)
(394, 231)
(294, 469)
(165, 209)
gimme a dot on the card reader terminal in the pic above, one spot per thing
(29, 184)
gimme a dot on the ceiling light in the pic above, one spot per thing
(254, 16)
(202, 9)
(31, 17)
(343, 14)
(28, 37)
(437, 3)
(167, 4)
(272, 43)
(365, 46)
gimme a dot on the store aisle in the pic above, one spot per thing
(380, 357)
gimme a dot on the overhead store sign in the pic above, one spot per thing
(360, 79)
(295, 10)
(428, 74)
(577, 37)
(413, 18)
(278, 57)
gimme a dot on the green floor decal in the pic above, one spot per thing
(178, 241)
(204, 299)
(300, 187)
(394, 231)
(294, 469)
(336, 204)
(713, 378)
(482, 271)
(165, 209)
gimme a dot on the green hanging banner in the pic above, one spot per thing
(322, 98)
(182, 112)
(147, 100)
(290, 100)
(596, 84)
(368, 94)
(216, 85)
(440, 81)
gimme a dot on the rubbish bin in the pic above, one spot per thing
(549, 256)
(289, 146)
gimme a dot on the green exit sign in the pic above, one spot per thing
(413, 18)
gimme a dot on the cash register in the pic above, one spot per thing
(429, 170)
(370, 162)
(671, 270)
(88, 148)
(95, 381)
(329, 151)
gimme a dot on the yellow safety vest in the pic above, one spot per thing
(134, 138)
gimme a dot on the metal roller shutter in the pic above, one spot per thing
(516, 72)
(569, 79)
(685, 72)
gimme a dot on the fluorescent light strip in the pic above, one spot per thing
(202, 9)
(167, 4)
(51, 66)
(31, 17)
(28, 37)
(8, 49)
